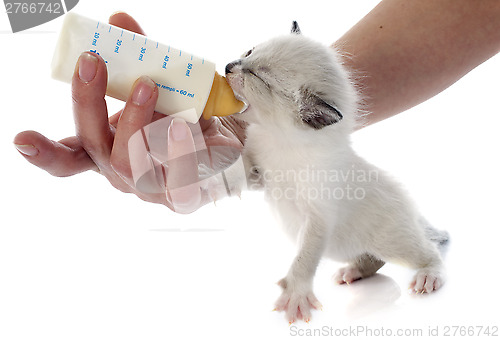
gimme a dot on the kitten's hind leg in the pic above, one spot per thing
(423, 255)
(421, 251)
(430, 276)
(427, 280)
(363, 266)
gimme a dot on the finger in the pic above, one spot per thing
(113, 120)
(182, 178)
(123, 20)
(137, 113)
(64, 158)
(89, 108)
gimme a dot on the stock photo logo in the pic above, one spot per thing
(212, 172)
(25, 14)
(209, 172)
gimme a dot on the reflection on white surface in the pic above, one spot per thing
(371, 295)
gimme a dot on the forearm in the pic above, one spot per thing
(405, 52)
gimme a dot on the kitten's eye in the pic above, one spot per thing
(248, 53)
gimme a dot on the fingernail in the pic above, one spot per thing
(87, 67)
(178, 129)
(26, 149)
(143, 90)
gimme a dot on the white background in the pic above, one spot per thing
(80, 260)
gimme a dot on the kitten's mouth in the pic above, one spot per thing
(242, 99)
(236, 84)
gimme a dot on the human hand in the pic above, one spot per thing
(101, 143)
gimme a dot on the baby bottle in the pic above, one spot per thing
(188, 86)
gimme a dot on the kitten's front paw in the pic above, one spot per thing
(296, 302)
(427, 280)
(347, 275)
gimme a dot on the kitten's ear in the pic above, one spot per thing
(295, 28)
(315, 112)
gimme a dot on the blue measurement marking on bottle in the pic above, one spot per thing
(121, 35)
(146, 41)
(203, 61)
(168, 49)
(180, 92)
(191, 57)
(109, 29)
(157, 45)
(98, 24)
(134, 37)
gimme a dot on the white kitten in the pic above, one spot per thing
(302, 110)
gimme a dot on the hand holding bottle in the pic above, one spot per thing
(101, 143)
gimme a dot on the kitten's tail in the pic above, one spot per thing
(440, 237)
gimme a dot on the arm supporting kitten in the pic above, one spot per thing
(413, 50)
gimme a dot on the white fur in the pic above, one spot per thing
(304, 171)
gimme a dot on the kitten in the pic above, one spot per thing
(302, 108)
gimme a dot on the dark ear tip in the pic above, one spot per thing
(315, 112)
(295, 28)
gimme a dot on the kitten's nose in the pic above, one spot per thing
(230, 66)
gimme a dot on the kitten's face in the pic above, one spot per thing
(290, 80)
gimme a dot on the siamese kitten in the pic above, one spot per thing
(302, 108)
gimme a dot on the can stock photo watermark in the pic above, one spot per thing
(365, 331)
(26, 14)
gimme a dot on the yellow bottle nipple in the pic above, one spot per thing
(221, 101)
